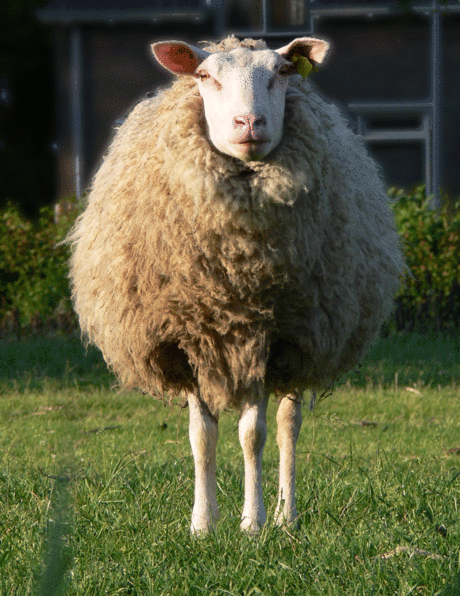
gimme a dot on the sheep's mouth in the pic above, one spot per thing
(252, 149)
(252, 142)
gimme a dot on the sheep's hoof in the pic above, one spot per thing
(289, 520)
(251, 526)
(202, 525)
(200, 530)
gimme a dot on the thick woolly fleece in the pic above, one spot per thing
(193, 269)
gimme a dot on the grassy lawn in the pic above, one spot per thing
(96, 486)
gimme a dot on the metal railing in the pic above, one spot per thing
(429, 109)
(420, 112)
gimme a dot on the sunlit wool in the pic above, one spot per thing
(192, 268)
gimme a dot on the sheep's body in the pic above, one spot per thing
(195, 271)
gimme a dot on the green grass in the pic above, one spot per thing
(96, 485)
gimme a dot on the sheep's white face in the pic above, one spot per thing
(243, 91)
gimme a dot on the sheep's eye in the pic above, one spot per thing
(284, 70)
(203, 75)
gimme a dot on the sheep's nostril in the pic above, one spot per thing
(259, 121)
(240, 121)
(250, 120)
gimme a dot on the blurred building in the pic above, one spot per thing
(393, 68)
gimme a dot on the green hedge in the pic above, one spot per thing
(429, 297)
(34, 292)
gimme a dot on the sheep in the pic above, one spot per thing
(237, 242)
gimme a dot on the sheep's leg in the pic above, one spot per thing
(203, 434)
(289, 420)
(252, 431)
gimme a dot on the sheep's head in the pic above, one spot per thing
(243, 90)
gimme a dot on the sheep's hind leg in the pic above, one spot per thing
(203, 432)
(252, 431)
(289, 420)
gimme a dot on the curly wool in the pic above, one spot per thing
(193, 269)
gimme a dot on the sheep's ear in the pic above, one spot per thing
(178, 57)
(308, 47)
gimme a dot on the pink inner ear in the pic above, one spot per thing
(176, 58)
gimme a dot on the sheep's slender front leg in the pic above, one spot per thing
(203, 434)
(289, 420)
(252, 431)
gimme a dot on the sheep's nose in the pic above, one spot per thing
(249, 120)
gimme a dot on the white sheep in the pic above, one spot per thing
(237, 241)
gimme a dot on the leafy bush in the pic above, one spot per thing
(34, 291)
(430, 294)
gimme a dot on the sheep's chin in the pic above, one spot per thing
(247, 152)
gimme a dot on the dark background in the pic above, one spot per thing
(27, 107)
(372, 59)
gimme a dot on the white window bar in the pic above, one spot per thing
(76, 98)
(297, 9)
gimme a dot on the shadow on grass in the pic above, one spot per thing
(452, 589)
(62, 359)
(404, 360)
(56, 556)
(409, 359)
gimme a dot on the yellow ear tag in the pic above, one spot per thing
(304, 66)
